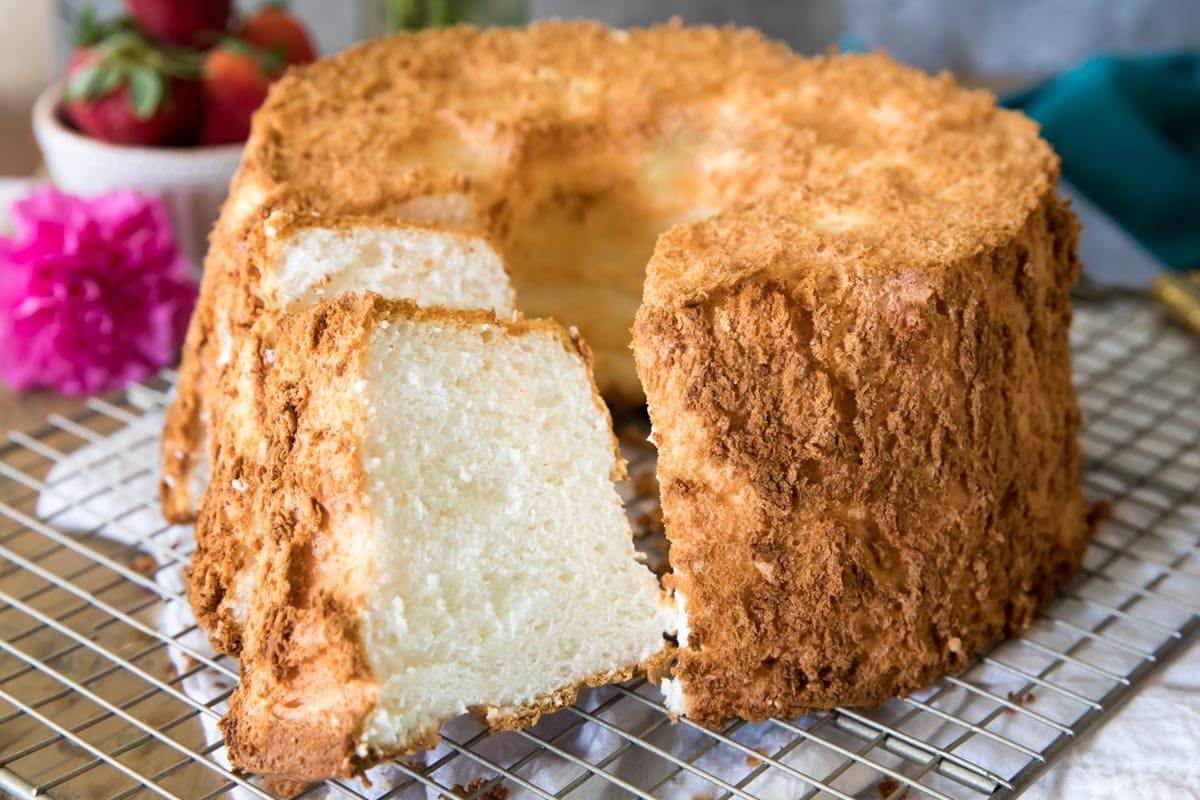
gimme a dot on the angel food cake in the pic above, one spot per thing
(402, 573)
(847, 287)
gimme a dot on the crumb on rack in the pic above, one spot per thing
(751, 761)
(497, 792)
(1019, 700)
(143, 564)
(888, 788)
(1100, 511)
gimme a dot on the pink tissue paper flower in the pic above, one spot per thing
(94, 293)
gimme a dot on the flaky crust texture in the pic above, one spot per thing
(293, 522)
(865, 477)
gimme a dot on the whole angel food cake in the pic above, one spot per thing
(436, 528)
(847, 286)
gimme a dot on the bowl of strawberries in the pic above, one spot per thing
(160, 100)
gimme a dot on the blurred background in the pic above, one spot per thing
(1001, 43)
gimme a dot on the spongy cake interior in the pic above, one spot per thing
(436, 266)
(427, 263)
(504, 569)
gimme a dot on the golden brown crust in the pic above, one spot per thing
(305, 685)
(507, 718)
(865, 476)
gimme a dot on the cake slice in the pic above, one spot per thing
(284, 264)
(433, 528)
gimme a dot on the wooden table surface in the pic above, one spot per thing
(28, 412)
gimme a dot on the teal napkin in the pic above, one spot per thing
(1128, 133)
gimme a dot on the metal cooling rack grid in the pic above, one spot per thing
(90, 705)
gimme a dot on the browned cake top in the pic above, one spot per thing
(847, 160)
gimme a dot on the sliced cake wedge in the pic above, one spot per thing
(434, 529)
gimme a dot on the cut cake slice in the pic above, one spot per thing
(435, 529)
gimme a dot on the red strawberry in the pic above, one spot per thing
(234, 81)
(125, 91)
(185, 22)
(271, 27)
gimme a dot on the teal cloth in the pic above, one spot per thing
(1128, 133)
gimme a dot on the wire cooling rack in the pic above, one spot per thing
(108, 691)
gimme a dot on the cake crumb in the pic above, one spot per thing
(887, 788)
(143, 564)
(497, 792)
(1019, 700)
(1100, 511)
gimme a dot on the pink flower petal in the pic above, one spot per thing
(93, 291)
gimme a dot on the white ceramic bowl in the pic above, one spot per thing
(192, 181)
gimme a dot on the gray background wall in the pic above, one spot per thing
(999, 42)
(1027, 37)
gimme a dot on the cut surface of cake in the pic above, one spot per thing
(296, 259)
(436, 529)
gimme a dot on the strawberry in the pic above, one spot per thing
(184, 22)
(271, 27)
(234, 80)
(126, 91)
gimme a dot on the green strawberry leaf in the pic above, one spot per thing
(109, 80)
(146, 91)
(273, 60)
(78, 83)
(126, 43)
(180, 63)
(87, 28)
(269, 62)
(91, 82)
